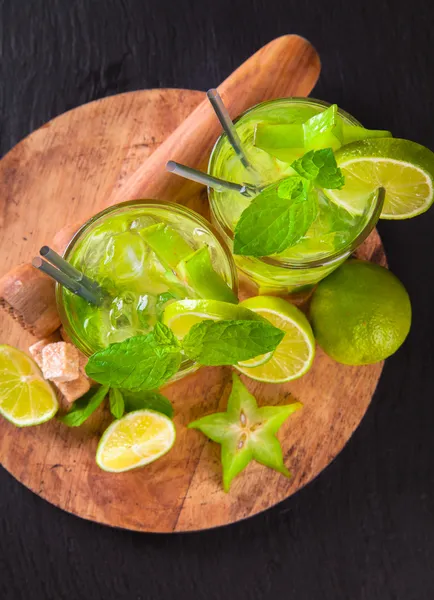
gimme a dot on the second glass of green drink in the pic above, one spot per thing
(144, 255)
(334, 234)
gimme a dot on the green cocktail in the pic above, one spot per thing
(144, 255)
(332, 236)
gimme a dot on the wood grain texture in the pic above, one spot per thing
(182, 491)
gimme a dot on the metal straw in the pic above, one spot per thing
(228, 126)
(59, 262)
(61, 277)
(213, 182)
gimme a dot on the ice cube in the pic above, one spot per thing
(141, 223)
(125, 255)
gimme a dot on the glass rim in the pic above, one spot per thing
(328, 259)
(189, 365)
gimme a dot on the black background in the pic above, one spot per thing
(365, 528)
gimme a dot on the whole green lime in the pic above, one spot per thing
(361, 313)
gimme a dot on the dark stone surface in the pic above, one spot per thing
(364, 530)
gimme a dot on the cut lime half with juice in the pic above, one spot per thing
(403, 168)
(25, 397)
(136, 440)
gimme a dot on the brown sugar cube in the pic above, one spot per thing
(36, 348)
(82, 362)
(72, 390)
(60, 362)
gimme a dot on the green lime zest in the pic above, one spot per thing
(246, 432)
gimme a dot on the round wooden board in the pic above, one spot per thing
(60, 173)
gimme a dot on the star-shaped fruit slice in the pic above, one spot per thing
(246, 432)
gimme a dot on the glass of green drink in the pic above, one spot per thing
(144, 255)
(334, 234)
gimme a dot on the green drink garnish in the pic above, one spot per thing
(197, 272)
(324, 130)
(146, 362)
(169, 246)
(246, 432)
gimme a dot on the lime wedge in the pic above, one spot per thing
(294, 355)
(168, 244)
(198, 273)
(405, 169)
(25, 397)
(180, 316)
(137, 439)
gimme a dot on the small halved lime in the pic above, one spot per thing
(405, 169)
(180, 316)
(137, 439)
(294, 356)
(25, 397)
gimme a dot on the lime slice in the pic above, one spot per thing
(294, 355)
(137, 439)
(256, 362)
(25, 397)
(198, 273)
(180, 316)
(405, 169)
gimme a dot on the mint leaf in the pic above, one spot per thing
(320, 167)
(163, 335)
(84, 407)
(117, 406)
(138, 363)
(291, 188)
(276, 219)
(147, 399)
(324, 130)
(214, 343)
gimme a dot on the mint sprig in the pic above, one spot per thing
(141, 362)
(144, 363)
(276, 219)
(320, 167)
(282, 213)
(214, 343)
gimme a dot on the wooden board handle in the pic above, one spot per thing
(287, 66)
